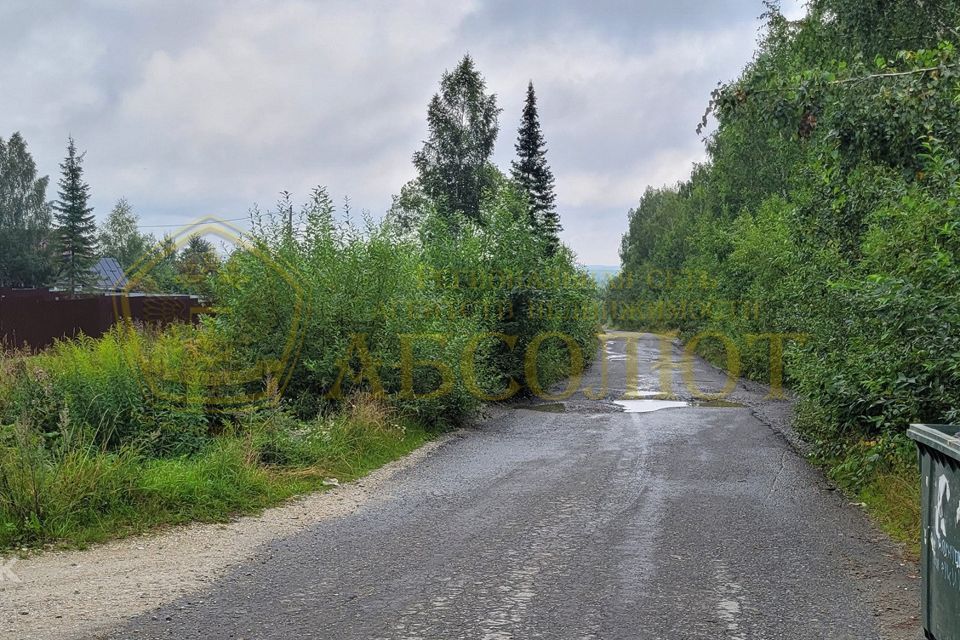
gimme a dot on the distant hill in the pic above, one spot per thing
(602, 272)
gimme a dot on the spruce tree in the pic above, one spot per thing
(76, 229)
(454, 162)
(532, 173)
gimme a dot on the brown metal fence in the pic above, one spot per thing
(34, 318)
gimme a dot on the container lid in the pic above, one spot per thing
(942, 437)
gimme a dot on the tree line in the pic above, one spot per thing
(830, 199)
(55, 243)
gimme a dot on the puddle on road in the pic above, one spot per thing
(652, 404)
(641, 402)
(643, 406)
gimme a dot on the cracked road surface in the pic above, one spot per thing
(575, 519)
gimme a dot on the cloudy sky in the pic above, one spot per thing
(203, 107)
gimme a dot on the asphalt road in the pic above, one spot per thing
(581, 521)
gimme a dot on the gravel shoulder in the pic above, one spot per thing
(75, 594)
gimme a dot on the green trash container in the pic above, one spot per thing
(939, 448)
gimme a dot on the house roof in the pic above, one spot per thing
(108, 275)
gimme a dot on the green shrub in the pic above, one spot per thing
(829, 202)
(365, 301)
(77, 493)
(52, 492)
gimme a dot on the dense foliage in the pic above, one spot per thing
(25, 252)
(827, 212)
(425, 293)
(454, 164)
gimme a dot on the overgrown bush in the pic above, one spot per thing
(829, 205)
(132, 387)
(405, 316)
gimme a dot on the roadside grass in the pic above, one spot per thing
(88, 495)
(892, 498)
(880, 473)
(890, 494)
(888, 488)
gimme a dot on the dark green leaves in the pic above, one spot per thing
(462, 121)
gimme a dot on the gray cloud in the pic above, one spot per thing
(190, 108)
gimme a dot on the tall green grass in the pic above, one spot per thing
(78, 493)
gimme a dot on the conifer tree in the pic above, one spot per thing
(76, 229)
(454, 162)
(532, 173)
